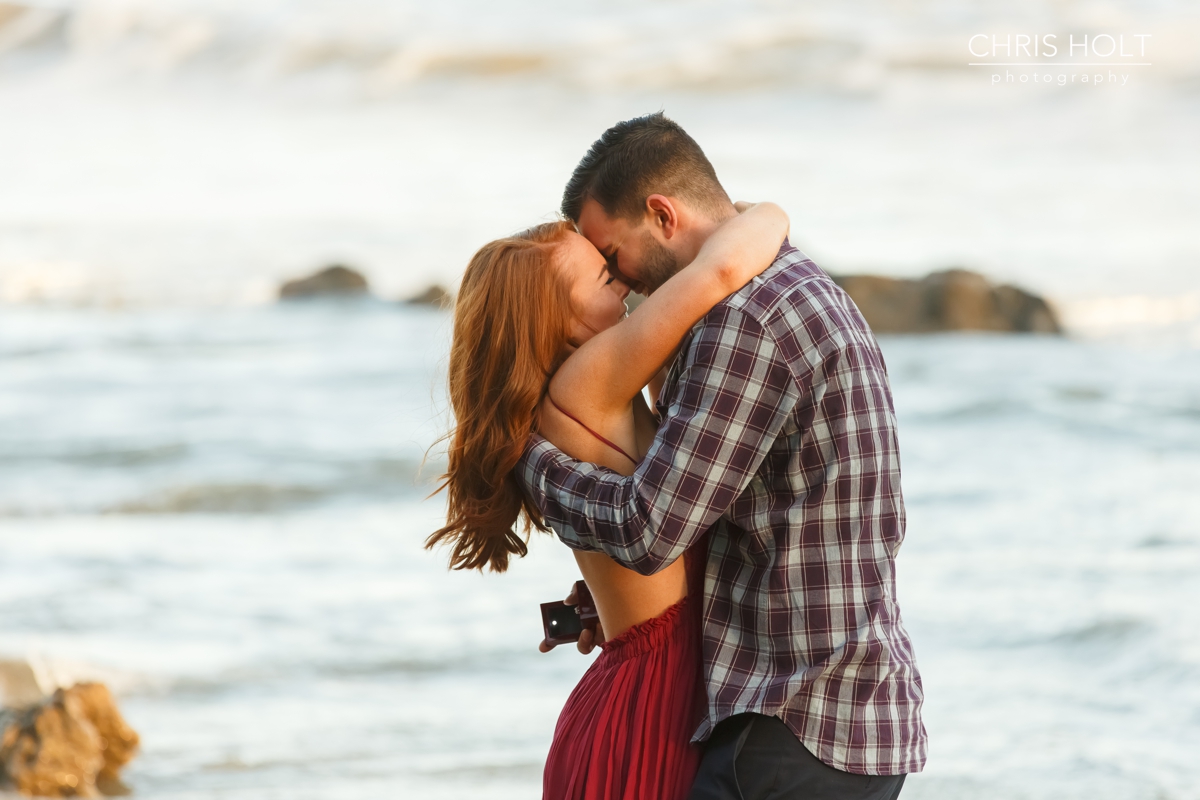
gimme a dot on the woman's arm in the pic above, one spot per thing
(615, 364)
(655, 385)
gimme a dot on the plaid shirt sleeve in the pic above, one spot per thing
(729, 402)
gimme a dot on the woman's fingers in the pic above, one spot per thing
(590, 638)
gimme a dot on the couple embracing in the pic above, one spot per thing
(739, 535)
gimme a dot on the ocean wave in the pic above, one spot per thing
(115, 456)
(374, 478)
(128, 481)
(1169, 320)
(1102, 316)
(476, 772)
(474, 662)
(1114, 631)
(222, 498)
(53, 672)
(1158, 540)
(383, 46)
(273, 674)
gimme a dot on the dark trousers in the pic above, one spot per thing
(755, 757)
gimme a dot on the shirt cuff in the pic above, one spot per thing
(532, 471)
(539, 460)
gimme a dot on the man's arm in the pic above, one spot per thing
(732, 400)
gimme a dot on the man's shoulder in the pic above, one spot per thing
(795, 302)
(780, 284)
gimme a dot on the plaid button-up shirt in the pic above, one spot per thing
(778, 434)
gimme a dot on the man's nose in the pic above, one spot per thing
(622, 277)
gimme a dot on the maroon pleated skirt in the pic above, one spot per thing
(624, 732)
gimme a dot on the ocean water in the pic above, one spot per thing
(221, 511)
(217, 504)
(200, 151)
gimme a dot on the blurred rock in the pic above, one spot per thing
(72, 744)
(433, 296)
(333, 281)
(18, 685)
(221, 498)
(118, 741)
(951, 300)
(9, 12)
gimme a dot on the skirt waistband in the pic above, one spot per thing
(648, 635)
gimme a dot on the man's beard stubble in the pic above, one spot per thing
(659, 264)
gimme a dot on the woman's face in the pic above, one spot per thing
(597, 298)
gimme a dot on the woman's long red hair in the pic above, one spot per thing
(511, 321)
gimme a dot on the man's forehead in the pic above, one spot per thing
(598, 227)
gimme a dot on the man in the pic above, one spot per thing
(778, 439)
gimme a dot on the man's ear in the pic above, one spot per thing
(663, 214)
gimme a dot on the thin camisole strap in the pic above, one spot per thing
(581, 424)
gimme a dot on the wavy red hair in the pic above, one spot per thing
(511, 324)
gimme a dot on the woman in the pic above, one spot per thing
(537, 347)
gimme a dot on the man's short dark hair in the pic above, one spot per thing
(640, 157)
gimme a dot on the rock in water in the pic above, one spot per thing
(433, 296)
(72, 744)
(10, 12)
(119, 742)
(951, 300)
(334, 281)
(1027, 312)
(18, 685)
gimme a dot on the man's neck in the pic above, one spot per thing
(702, 226)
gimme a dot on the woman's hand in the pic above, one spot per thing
(742, 207)
(587, 640)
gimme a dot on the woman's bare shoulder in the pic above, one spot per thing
(569, 434)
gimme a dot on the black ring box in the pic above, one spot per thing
(563, 624)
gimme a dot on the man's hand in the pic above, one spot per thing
(587, 640)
